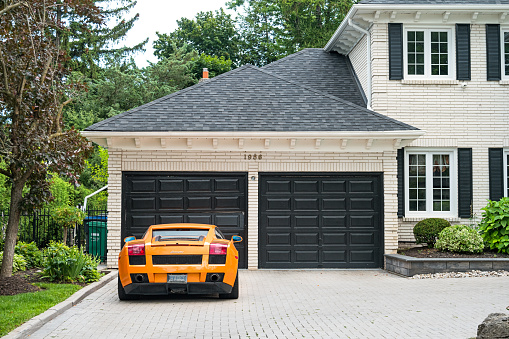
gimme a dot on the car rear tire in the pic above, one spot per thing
(121, 293)
(234, 294)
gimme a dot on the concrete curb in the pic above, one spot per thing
(38, 321)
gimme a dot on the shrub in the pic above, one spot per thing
(63, 263)
(427, 230)
(30, 252)
(494, 226)
(19, 263)
(460, 238)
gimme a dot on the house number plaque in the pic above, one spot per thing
(252, 156)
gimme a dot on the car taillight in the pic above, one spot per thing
(218, 249)
(136, 249)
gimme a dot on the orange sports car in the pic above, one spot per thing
(179, 258)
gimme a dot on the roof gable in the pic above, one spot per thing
(249, 99)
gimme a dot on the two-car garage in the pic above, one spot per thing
(305, 220)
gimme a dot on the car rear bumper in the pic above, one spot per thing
(171, 288)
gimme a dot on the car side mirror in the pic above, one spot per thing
(237, 238)
(131, 238)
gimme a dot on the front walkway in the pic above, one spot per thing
(295, 304)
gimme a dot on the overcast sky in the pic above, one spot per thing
(161, 16)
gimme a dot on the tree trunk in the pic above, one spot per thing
(11, 233)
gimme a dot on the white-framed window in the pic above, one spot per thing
(431, 188)
(428, 53)
(505, 53)
(506, 172)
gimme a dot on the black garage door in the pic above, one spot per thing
(204, 198)
(320, 221)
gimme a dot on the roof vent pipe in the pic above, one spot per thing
(205, 73)
(368, 52)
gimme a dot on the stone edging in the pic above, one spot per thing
(38, 321)
(410, 266)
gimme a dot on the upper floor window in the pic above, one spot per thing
(431, 187)
(505, 54)
(428, 53)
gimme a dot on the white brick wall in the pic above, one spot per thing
(475, 116)
(234, 162)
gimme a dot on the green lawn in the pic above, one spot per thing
(16, 309)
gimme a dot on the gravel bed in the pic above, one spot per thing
(469, 274)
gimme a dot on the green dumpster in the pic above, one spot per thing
(97, 235)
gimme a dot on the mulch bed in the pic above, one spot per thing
(21, 282)
(423, 252)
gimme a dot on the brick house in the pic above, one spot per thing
(327, 158)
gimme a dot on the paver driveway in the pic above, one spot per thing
(295, 304)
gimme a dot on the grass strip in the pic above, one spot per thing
(17, 309)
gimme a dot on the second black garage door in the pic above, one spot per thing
(320, 221)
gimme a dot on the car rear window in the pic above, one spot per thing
(180, 234)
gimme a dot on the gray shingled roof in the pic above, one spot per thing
(436, 2)
(326, 72)
(249, 99)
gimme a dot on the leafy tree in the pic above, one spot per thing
(272, 29)
(32, 97)
(210, 33)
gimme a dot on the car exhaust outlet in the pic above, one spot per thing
(139, 278)
(214, 277)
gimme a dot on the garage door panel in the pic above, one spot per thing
(279, 186)
(279, 239)
(227, 185)
(171, 186)
(306, 239)
(362, 238)
(170, 219)
(333, 220)
(277, 221)
(231, 203)
(279, 204)
(362, 204)
(305, 204)
(362, 256)
(333, 186)
(306, 221)
(309, 186)
(278, 256)
(306, 256)
(143, 204)
(330, 204)
(199, 203)
(164, 198)
(140, 186)
(363, 221)
(199, 185)
(171, 204)
(361, 186)
(334, 256)
(334, 238)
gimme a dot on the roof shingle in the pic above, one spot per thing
(249, 99)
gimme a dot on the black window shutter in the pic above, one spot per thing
(395, 51)
(496, 173)
(400, 158)
(465, 189)
(493, 56)
(463, 52)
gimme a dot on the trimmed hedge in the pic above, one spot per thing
(426, 231)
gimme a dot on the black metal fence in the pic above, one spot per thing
(39, 227)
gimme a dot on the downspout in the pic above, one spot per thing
(84, 207)
(368, 52)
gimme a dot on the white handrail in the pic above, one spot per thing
(84, 207)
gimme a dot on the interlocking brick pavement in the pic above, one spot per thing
(295, 304)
